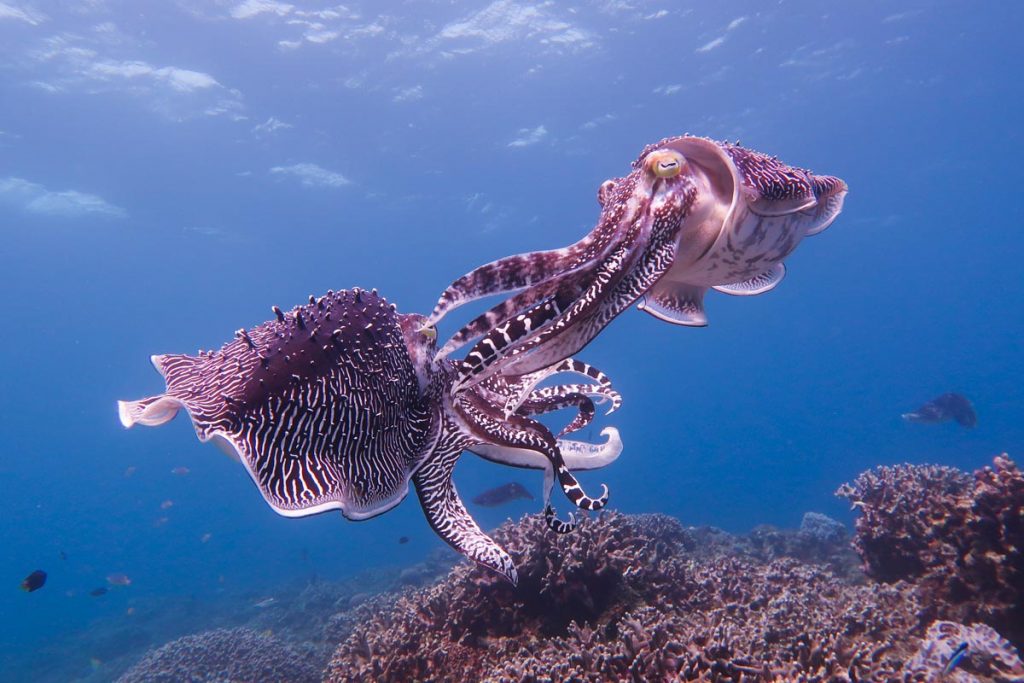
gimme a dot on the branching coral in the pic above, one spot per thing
(959, 539)
(621, 599)
(237, 655)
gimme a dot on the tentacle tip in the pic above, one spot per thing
(513, 576)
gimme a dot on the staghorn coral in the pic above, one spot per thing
(238, 655)
(622, 599)
(988, 655)
(958, 538)
(902, 510)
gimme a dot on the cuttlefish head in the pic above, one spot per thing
(657, 194)
(421, 345)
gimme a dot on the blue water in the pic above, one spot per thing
(168, 173)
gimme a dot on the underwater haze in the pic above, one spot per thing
(171, 170)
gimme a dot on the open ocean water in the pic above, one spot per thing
(170, 170)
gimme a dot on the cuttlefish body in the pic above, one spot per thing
(340, 404)
(692, 215)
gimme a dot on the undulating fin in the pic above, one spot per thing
(831, 193)
(759, 284)
(676, 303)
(151, 412)
(447, 515)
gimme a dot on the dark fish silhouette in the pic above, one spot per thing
(500, 495)
(403, 540)
(34, 581)
(97, 592)
(946, 407)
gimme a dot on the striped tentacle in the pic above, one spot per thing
(448, 516)
(505, 310)
(604, 301)
(550, 399)
(504, 336)
(506, 342)
(518, 431)
(606, 391)
(511, 273)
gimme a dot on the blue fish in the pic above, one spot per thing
(954, 659)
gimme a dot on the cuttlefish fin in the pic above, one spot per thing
(831, 193)
(151, 412)
(447, 515)
(677, 303)
(759, 284)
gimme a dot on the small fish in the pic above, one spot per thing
(130, 611)
(205, 538)
(946, 407)
(954, 659)
(160, 521)
(34, 581)
(63, 555)
(180, 471)
(119, 580)
(167, 504)
(129, 471)
(97, 592)
(266, 602)
(500, 495)
(403, 540)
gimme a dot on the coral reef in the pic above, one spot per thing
(958, 538)
(820, 540)
(623, 599)
(987, 654)
(238, 655)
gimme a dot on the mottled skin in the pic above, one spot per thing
(338, 404)
(692, 214)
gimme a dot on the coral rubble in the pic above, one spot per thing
(959, 539)
(622, 599)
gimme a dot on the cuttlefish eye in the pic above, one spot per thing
(665, 163)
(428, 332)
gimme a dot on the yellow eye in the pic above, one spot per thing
(665, 163)
(429, 332)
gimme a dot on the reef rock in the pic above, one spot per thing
(958, 538)
(623, 599)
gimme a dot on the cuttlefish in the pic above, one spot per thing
(692, 215)
(949, 406)
(338, 404)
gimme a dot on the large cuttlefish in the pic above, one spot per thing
(693, 215)
(338, 404)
